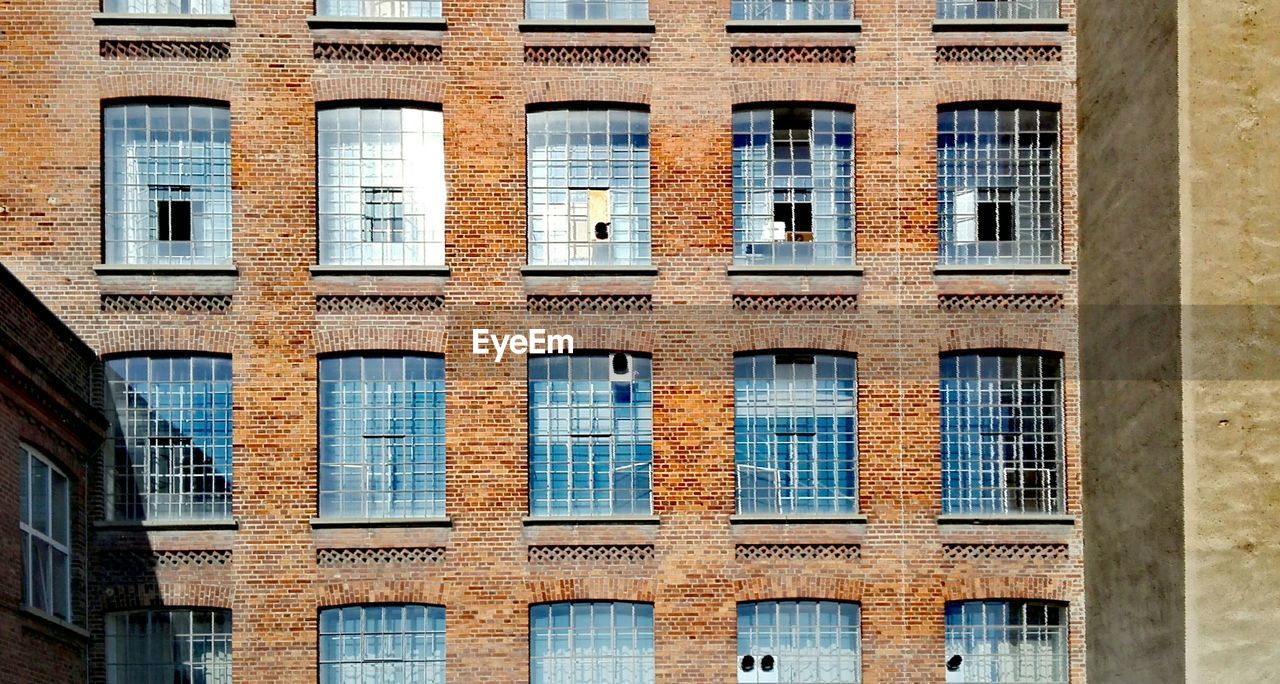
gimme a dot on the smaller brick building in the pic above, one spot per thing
(48, 428)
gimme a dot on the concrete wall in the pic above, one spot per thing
(1231, 258)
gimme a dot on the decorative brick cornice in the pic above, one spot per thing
(795, 90)
(586, 90)
(339, 88)
(979, 588)
(1004, 335)
(797, 587)
(165, 84)
(590, 589)
(362, 338)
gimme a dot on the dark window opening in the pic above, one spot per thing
(173, 220)
(383, 214)
(796, 219)
(995, 221)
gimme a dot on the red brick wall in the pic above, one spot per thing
(52, 227)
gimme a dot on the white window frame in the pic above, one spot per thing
(33, 536)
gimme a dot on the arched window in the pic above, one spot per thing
(166, 183)
(796, 433)
(591, 642)
(382, 643)
(169, 645)
(590, 434)
(1006, 642)
(799, 642)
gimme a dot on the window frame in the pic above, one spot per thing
(423, 229)
(635, 10)
(214, 638)
(433, 439)
(964, 458)
(580, 439)
(756, 171)
(434, 662)
(845, 499)
(30, 535)
(978, 633)
(953, 10)
(323, 9)
(641, 612)
(209, 195)
(782, 658)
(1035, 192)
(837, 10)
(627, 199)
(217, 8)
(121, 488)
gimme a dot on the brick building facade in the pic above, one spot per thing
(687, 306)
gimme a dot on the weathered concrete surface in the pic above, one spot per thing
(1231, 256)
(1129, 336)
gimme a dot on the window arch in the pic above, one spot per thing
(795, 432)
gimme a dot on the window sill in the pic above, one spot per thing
(586, 26)
(794, 270)
(47, 620)
(164, 270)
(816, 519)
(121, 19)
(378, 23)
(793, 26)
(162, 525)
(331, 523)
(588, 271)
(420, 271)
(1013, 519)
(1002, 25)
(573, 521)
(1001, 269)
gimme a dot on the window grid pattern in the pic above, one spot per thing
(158, 156)
(381, 185)
(164, 646)
(167, 6)
(587, 9)
(793, 186)
(792, 10)
(391, 643)
(591, 643)
(171, 452)
(1007, 642)
(998, 186)
(590, 436)
(391, 9)
(795, 433)
(997, 9)
(382, 437)
(1001, 433)
(588, 167)
(812, 642)
(45, 524)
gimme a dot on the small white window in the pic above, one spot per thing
(46, 536)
